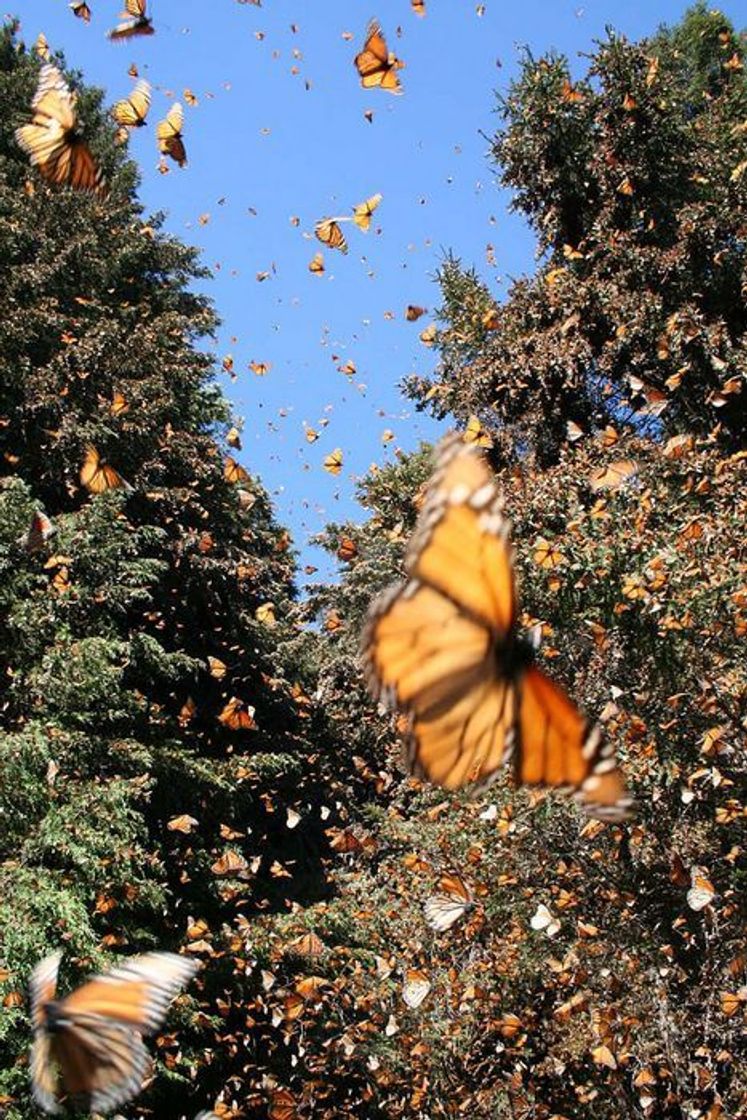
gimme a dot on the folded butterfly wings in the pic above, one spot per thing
(90, 1046)
(443, 647)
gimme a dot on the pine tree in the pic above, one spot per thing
(153, 729)
(633, 179)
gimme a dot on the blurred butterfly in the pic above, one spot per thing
(51, 140)
(132, 111)
(88, 1047)
(376, 65)
(444, 647)
(316, 264)
(443, 910)
(38, 533)
(363, 211)
(169, 135)
(329, 233)
(136, 22)
(81, 10)
(97, 476)
(413, 312)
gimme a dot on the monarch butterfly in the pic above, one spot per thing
(444, 909)
(444, 647)
(234, 472)
(333, 461)
(475, 432)
(38, 532)
(282, 1106)
(88, 1046)
(363, 211)
(132, 111)
(51, 140)
(169, 135)
(238, 716)
(413, 312)
(329, 233)
(375, 64)
(137, 23)
(316, 264)
(614, 475)
(97, 476)
(81, 10)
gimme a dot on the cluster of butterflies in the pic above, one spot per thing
(52, 139)
(53, 143)
(328, 231)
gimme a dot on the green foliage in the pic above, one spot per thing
(634, 180)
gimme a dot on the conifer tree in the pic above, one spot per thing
(634, 179)
(152, 728)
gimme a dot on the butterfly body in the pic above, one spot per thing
(444, 647)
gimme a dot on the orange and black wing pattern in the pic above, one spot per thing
(51, 141)
(328, 231)
(377, 67)
(88, 1047)
(135, 21)
(443, 647)
(169, 135)
(97, 475)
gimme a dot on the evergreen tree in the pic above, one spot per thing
(634, 179)
(152, 729)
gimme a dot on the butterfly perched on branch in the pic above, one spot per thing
(444, 647)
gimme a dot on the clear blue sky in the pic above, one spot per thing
(260, 139)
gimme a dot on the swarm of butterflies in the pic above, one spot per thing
(443, 647)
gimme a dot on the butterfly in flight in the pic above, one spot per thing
(81, 10)
(132, 111)
(444, 648)
(363, 212)
(97, 475)
(328, 231)
(376, 65)
(136, 22)
(169, 135)
(88, 1047)
(51, 139)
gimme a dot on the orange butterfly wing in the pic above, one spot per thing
(50, 141)
(136, 994)
(374, 65)
(443, 647)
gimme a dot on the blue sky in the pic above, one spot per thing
(263, 149)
